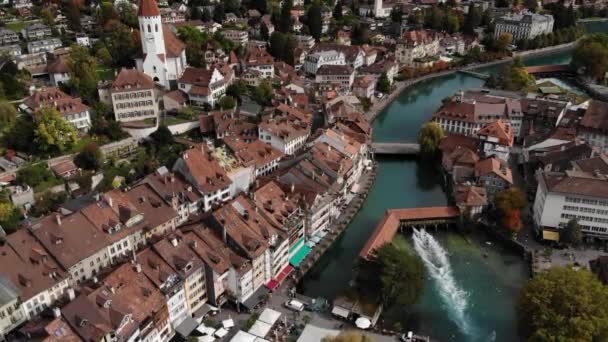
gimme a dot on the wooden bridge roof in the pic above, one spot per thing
(387, 227)
(547, 68)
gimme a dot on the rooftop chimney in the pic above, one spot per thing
(58, 219)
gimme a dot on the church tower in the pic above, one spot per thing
(378, 10)
(151, 28)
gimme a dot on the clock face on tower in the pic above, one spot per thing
(150, 38)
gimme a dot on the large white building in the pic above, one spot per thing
(593, 127)
(329, 57)
(578, 194)
(203, 85)
(164, 55)
(524, 26)
(131, 95)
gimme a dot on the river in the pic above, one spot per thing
(488, 275)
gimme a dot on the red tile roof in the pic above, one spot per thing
(132, 79)
(148, 8)
(387, 227)
(205, 169)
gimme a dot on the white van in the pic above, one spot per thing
(294, 305)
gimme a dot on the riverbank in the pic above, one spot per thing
(379, 106)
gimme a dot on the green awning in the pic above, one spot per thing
(299, 255)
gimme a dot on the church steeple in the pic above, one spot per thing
(151, 28)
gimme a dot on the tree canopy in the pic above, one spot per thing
(510, 203)
(572, 233)
(90, 158)
(384, 84)
(8, 116)
(512, 77)
(429, 138)
(392, 275)
(83, 73)
(591, 56)
(53, 134)
(314, 20)
(563, 304)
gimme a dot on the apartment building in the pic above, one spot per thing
(132, 96)
(168, 281)
(593, 127)
(11, 311)
(286, 134)
(36, 31)
(203, 86)
(199, 168)
(8, 37)
(176, 192)
(580, 194)
(354, 150)
(415, 45)
(71, 109)
(231, 221)
(496, 139)
(240, 38)
(342, 75)
(314, 60)
(258, 59)
(305, 41)
(38, 279)
(264, 158)
(176, 251)
(73, 241)
(524, 26)
(44, 45)
(494, 174)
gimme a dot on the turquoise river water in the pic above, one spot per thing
(474, 301)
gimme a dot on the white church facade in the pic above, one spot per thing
(164, 55)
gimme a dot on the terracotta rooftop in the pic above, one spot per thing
(28, 265)
(285, 128)
(494, 166)
(148, 8)
(54, 98)
(169, 185)
(157, 270)
(175, 250)
(69, 239)
(599, 163)
(45, 329)
(131, 79)
(470, 196)
(584, 186)
(277, 205)
(255, 153)
(205, 170)
(388, 226)
(84, 318)
(500, 130)
(234, 221)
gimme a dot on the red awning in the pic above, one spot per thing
(284, 273)
(274, 283)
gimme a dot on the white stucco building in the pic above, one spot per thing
(164, 55)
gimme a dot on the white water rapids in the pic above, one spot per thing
(438, 267)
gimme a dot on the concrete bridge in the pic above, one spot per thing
(475, 74)
(396, 148)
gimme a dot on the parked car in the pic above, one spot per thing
(294, 305)
(379, 95)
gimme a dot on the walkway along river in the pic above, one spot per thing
(488, 276)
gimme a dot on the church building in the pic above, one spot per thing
(164, 55)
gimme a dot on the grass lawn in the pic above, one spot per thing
(16, 26)
(105, 72)
(173, 120)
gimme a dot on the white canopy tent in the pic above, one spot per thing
(205, 330)
(363, 323)
(242, 336)
(221, 332)
(206, 338)
(269, 316)
(260, 329)
(228, 323)
(340, 312)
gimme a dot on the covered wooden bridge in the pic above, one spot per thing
(395, 219)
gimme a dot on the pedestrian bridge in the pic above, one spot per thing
(396, 148)
(475, 74)
(395, 219)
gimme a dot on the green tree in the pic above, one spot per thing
(392, 275)
(262, 94)
(90, 158)
(360, 35)
(397, 15)
(103, 55)
(314, 20)
(106, 13)
(337, 13)
(285, 20)
(162, 136)
(591, 56)
(260, 5)
(8, 116)
(53, 134)
(384, 84)
(21, 135)
(563, 304)
(127, 14)
(237, 89)
(34, 175)
(276, 47)
(503, 41)
(532, 5)
(572, 233)
(83, 73)
(219, 13)
(73, 16)
(514, 77)
(227, 102)
(429, 138)
(290, 45)
(9, 217)
(510, 202)
(47, 16)
(121, 42)
(206, 15)
(472, 19)
(452, 24)
(349, 336)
